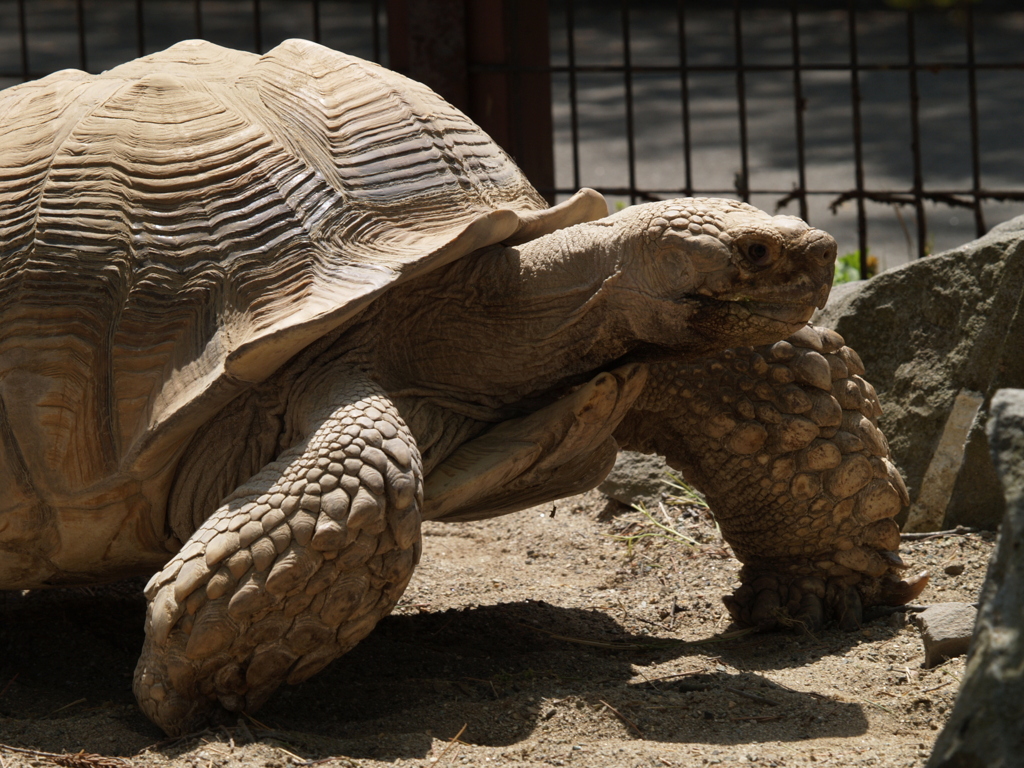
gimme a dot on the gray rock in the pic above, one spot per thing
(637, 478)
(1006, 442)
(938, 337)
(946, 630)
(986, 726)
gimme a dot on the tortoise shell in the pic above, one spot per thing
(178, 227)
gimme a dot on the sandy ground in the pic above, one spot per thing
(534, 639)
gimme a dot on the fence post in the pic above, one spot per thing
(489, 58)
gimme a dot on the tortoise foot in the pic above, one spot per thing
(162, 695)
(770, 599)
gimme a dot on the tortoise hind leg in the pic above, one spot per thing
(292, 570)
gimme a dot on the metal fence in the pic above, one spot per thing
(38, 37)
(896, 129)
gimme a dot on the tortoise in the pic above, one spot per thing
(262, 315)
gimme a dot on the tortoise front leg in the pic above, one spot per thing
(293, 569)
(783, 442)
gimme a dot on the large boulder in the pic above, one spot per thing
(938, 337)
(986, 726)
(637, 478)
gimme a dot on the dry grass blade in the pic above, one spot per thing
(721, 637)
(67, 706)
(9, 684)
(752, 696)
(75, 760)
(655, 644)
(87, 760)
(623, 718)
(685, 493)
(257, 723)
(663, 532)
(960, 530)
(875, 704)
(594, 643)
(451, 743)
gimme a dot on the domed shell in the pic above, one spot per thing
(174, 229)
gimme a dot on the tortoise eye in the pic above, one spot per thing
(758, 254)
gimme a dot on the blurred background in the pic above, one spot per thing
(894, 124)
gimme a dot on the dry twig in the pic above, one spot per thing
(960, 530)
(623, 718)
(451, 743)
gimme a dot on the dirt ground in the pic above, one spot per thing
(534, 639)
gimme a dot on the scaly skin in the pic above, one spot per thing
(299, 561)
(294, 568)
(783, 441)
(353, 287)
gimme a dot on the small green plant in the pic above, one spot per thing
(661, 531)
(685, 503)
(687, 494)
(848, 267)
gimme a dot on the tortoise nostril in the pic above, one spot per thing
(831, 252)
(822, 250)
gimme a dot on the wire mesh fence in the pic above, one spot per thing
(896, 129)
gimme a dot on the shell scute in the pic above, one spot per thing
(182, 224)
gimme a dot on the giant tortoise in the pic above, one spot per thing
(261, 315)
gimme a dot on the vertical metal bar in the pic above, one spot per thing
(574, 116)
(858, 142)
(197, 13)
(514, 78)
(83, 61)
(915, 137)
(257, 27)
(23, 39)
(972, 96)
(316, 23)
(140, 28)
(800, 105)
(742, 183)
(376, 10)
(627, 61)
(684, 78)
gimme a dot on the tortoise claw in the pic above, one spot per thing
(811, 614)
(845, 605)
(901, 592)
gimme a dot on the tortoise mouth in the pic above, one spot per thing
(779, 306)
(807, 293)
(719, 323)
(779, 311)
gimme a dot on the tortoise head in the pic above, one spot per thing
(719, 273)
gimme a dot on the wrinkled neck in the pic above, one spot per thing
(509, 323)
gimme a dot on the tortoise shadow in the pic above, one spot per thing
(503, 671)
